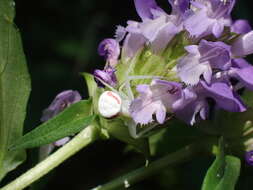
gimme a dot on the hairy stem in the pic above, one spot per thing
(155, 167)
(84, 138)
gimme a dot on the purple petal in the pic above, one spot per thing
(143, 88)
(190, 105)
(132, 44)
(224, 96)
(154, 99)
(62, 141)
(222, 8)
(144, 8)
(161, 115)
(107, 76)
(61, 101)
(164, 36)
(198, 23)
(190, 69)
(244, 75)
(193, 49)
(204, 111)
(179, 6)
(110, 49)
(151, 28)
(241, 27)
(243, 45)
(249, 157)
(240, 63)
(209, 17)
(208, 75)
(216, 53)
(120, 33)
(218, 28)
(188, 96)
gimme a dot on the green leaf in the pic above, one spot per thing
(91, 84)
(14, 88)
(248, 98)
(215, 172)
(70, 121)
(231, 174)
(223, 173)
(93, 90)
(119, 130)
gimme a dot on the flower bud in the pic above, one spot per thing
(110, 50)
(107, 76)
(249, 157)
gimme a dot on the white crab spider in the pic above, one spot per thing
(112, 103)
(109, 104)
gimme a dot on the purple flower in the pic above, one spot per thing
(61, 101)
(157, 27)
(157, 99)
(132, 44)
(179, 7)
(146, 8)
(249, 157)
(243, 72)
(209, 17)
(157, 32)
(243, 45)
(107, 76)
(241, 27)
(194, 101)
(201, 60)
(110, 49)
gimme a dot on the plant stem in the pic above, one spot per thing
(155, 167)
(84, 138)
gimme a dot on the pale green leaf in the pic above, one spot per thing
(93, 89)
(91, 84)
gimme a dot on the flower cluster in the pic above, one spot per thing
(209, 74)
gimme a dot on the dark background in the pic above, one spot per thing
(60, 39)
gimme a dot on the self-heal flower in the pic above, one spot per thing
(209, 17)
(157, 27)
(110, 50)
(201, 60)
(249, 157)
(194, 101)
(61, 101)
(105, 76)
(157, 99)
